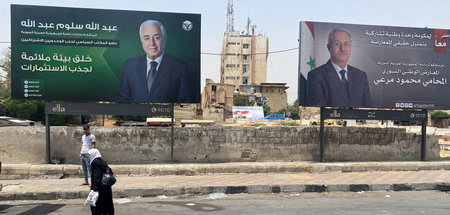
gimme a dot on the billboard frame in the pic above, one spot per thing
(420, 48)
(63, 108)
(55, 54)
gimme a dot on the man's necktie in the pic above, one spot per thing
(344, 81)
(151, 75)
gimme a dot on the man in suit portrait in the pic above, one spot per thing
(337, 84)
(155, 76)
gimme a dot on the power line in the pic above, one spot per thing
(265, 53)
(210, 53)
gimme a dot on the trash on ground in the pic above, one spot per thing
(217, 196)
(122, 201)
(162, 197)
(190, 204)
(387, 196)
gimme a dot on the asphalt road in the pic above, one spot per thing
(348, 203)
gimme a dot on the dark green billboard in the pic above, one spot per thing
(77, 54)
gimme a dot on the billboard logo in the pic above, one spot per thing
(404, 105)
(187, 25)
(58, 108)
(440, 41)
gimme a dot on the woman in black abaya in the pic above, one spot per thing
(104, 204)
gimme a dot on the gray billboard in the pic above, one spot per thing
(346, 65)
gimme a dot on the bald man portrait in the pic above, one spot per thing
(155, 76)
(337, 84)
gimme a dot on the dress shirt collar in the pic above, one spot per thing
(158, 60)
(338, 69)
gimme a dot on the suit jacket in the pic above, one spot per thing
(325, 88)
(172, 82)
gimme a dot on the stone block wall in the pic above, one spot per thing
(136, 145)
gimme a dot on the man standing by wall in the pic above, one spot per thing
(88, 142)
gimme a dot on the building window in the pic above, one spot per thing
(245, 46)
(213, 88)
(244, 80)
(230, 65)
(272, 90)
(245, 57)
(244, 68)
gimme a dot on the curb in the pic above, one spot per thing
(253, 189)
(23, 171)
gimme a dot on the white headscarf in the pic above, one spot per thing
(94, 153)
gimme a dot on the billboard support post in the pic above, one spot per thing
(172, 138)
(322, 133)
(423, 148)
(47, 139)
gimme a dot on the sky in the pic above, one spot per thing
(276, 19)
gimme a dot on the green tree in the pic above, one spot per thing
(293, 110)
(266, 108)
(33, 110)
(56, 120)
(438, 116)
(5, 65)
(239, 100)
(130, 118)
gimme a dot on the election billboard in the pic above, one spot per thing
(366, 66)
(248, 113)
(78, 54)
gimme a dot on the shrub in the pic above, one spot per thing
(438, 116)
(257, 124)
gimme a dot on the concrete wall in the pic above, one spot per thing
(217, 144)
(22, 144)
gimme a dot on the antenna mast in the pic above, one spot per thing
(230, 17)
